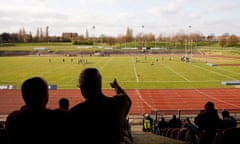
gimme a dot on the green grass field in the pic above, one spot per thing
(143, 75)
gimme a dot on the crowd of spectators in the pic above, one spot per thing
(203, 129)
(98, 119)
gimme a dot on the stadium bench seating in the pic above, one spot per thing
(228, 136)
(169, 131)
(182, 133)
(174, 133)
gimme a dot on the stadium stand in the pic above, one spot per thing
(163, 131)
(228, 136)
(181, 134)
(174, 133)
(169, 131)
(140, 137)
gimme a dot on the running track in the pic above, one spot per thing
(143, 100)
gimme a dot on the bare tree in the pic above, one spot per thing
(222, 40)
(232, 40)
(121, 39)
(129, 35)
(149, 37)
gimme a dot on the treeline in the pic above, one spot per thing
(139, 40)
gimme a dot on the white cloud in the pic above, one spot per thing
(112, 17)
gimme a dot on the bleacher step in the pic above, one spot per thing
(140, 137)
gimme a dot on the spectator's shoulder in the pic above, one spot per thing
(13, 114)
(77, 108)
(14, 117)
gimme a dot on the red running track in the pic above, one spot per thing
(143, 100)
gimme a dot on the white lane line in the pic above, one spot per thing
(216, 99)
(141, 98)
(205, 81)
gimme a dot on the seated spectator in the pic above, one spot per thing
(174, 122)
(100, 118)
(63, 104)
(208, 123)
(63, 107)
(35, 124)
(161, 125)
(227, 121)
(192, 134)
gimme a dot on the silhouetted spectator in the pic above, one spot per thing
(192, 134)
(227, 120)
(3, 134)
(100, 118)
(161, 125)
(63, 104)
(35, 123)
(174, 122)
(2, 125)
(63, 107)
(208, 123)
(23, 107)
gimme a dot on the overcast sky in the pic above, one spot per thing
(113, 17)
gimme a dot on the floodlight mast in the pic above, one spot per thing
(142, 37)
(185, 58)
(190, 40)
(93, 27)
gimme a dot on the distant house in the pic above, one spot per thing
(69, 35)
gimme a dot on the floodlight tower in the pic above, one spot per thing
(185, 58)
(142, 36)
(190, 41)
(93, 27)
